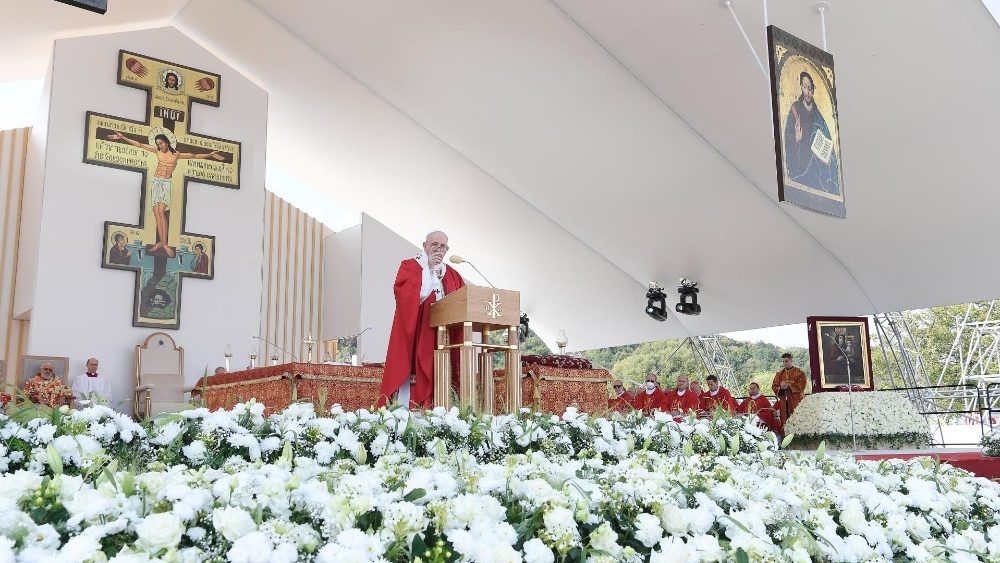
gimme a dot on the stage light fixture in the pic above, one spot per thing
(656, 302)
(688, 304)
(522, 328)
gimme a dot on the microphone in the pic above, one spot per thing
(456, 259)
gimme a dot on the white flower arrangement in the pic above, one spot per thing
(882, 420)
(453, 486)
(990, 443)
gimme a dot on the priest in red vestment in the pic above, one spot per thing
(757, 404)
(716, 396)
(681, 400)
(622, 401)
(420, 282)
(649, 397)
(789, 385)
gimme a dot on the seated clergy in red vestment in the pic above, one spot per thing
(757, 404)
(717, 396)
(622, 401)
(420, 282)
(649, 397)
(681, 400)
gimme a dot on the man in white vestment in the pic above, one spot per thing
(92, 387)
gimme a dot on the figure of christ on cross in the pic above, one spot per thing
(166, 161)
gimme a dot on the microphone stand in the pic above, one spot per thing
(480, 273)
(850, 390)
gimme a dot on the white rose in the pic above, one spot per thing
(195, 451)
(674, 520)
(852, 517)
(159, 531)
(254, 547)
(232, 522)
(648, 530)
(535, 551)
(918, 527)
(7, 550)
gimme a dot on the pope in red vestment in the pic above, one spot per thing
(420, 282)
(757, 404)
(681, 400)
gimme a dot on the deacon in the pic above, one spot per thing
(681, 400)
(759, 405)
(649, 397)
(420, 282)
(717, 396)
(622, 401)
(788, 385)
(91, 387)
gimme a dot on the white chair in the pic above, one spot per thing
(159, 376)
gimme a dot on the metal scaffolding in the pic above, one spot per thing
(713, 355)
(974, 354)
(976, 349)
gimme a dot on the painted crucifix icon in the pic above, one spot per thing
(168, 155)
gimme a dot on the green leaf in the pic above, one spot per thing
(110, 477)
(55, 461)
(414, 495)
(742, 556)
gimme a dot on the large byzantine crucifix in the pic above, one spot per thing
(168, 155)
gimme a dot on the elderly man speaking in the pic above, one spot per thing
(420, 282)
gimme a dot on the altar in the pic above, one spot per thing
(545, 388)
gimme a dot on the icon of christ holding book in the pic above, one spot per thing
(810, 158)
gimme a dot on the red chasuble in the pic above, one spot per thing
(412, 340)
(761, 406)
(723, 398)
(648, 402)
(684, 403)
(620, 404)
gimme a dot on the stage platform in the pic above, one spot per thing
(969, 459)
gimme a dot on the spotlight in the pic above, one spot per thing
(688, 304)
(656, 302)
(522, 328)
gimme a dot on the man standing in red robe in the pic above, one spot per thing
(789, 385)
(716, 396)
(420, 282)
(757, 404)
(681, 400)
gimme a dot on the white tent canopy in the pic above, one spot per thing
(578, 149)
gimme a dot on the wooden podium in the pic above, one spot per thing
(484, 310)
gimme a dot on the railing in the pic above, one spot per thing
(992, 405)
(937, 414)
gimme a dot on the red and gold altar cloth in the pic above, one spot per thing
(545, 388)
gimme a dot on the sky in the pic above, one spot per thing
(785, 336)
